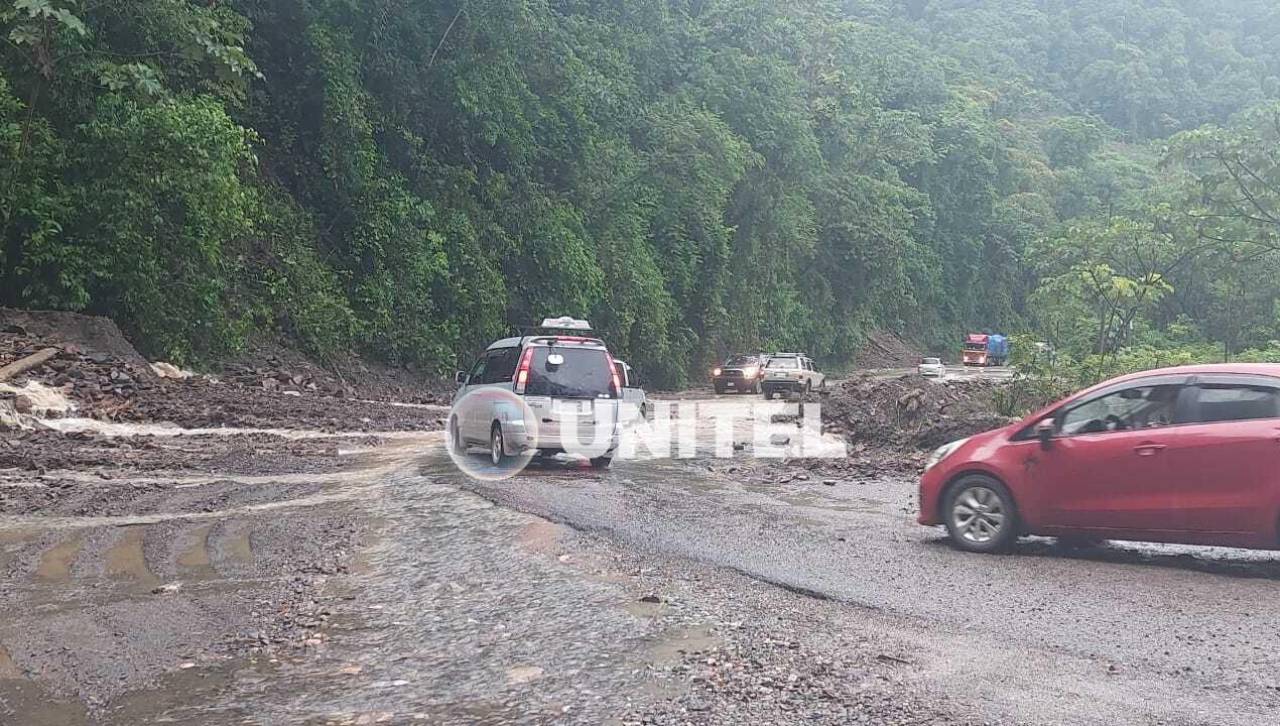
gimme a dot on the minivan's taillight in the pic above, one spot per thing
(522, 371)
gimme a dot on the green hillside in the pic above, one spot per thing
(409, 179)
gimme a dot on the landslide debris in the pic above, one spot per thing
(106, 379)
(94, 365)
(885, 350)
(911, 413)
(270, 367)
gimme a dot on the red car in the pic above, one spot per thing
(1188, 455)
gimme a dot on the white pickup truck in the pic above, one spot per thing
(632, 393)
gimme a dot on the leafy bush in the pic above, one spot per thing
(163, 206)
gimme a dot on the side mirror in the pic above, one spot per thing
(460, 378)
(1045, 430)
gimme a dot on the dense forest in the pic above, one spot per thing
(411, 178)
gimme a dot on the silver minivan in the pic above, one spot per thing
(546, 393)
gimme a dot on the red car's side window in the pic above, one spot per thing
(1140, 407)
(1229, 402)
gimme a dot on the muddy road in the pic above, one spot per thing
(154, 576)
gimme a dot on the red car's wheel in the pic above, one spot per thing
(981, 515)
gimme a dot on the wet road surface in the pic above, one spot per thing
(702, 590)
(1124, 634)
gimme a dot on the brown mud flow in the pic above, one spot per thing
(126, 560)
(196, 554)
(124, 576)
(55, 564)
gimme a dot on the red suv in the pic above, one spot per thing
(1189, 455)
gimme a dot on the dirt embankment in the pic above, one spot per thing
(106, 379)
(886, 350)
(271, 367)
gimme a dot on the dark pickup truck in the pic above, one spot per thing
(740, 373)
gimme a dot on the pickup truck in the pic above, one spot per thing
(741, 373)
(632, 393)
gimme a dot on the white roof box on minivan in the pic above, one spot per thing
(566, 323)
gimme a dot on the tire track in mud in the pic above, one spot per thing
(118, 580)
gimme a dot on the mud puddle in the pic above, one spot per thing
(673, 647)
(118, 430)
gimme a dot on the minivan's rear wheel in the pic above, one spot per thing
(455, 437)
(981, 515)
(497, 447)
(601, 462)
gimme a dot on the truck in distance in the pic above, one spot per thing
(983, 349)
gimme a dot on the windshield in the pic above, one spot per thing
(740, 360)
(784, 363)
(931, 361)
(583, 373)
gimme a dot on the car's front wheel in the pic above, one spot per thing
(981, 515)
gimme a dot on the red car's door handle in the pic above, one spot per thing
(1149, 449)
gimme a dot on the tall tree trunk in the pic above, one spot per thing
(13, 242)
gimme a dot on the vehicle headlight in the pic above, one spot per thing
(942, 452)
(750, 372)
(715, 372)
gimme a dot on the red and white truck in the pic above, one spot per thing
(982, 349)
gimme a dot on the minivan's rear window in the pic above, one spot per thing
(585, 373)
(784, 362)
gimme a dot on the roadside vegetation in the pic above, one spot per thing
(409, 180)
